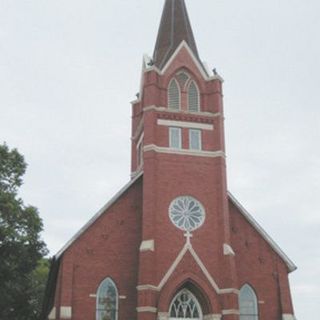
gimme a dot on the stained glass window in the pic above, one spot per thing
(107, 301)
(186, 213)
(248, 304)
(185, 306)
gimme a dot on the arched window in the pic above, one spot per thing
(174, 95)
(185, 306)
(193, 97)
(107, 301)
(248, 304)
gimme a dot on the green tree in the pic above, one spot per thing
(21, 247)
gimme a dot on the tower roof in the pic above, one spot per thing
(174, 28)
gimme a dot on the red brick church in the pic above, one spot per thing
(173, 243)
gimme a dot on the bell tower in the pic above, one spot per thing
(178, 144)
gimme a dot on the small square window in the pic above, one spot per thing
(195, 139)
(175, 138)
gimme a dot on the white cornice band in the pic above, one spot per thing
(185, 124)
(184, 112)
(184, 152)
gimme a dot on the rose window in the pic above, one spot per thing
(187, 213)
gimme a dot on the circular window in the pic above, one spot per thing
(186, 213)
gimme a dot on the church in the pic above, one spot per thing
(173, 243)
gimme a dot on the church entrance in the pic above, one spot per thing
(185, 306)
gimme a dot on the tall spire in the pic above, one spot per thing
(174, 28)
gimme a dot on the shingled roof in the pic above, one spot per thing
(174, 28)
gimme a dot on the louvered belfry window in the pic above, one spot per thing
(174, 95)
(193, 98)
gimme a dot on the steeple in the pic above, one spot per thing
(174, 28)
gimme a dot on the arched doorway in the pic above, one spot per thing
(185, 306)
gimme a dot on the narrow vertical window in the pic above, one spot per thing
(248, 304)
(107, 301)
(175, 138)
(174, 95)
(195, 139)
(193, 98)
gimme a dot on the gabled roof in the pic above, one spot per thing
(98, 214)
(174, 28)
(291, 266)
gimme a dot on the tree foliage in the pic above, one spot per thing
(21, 247)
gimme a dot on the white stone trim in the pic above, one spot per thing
(230, 311)
(202, 68)
(53, 314)
(135, 101)
(291, 266)
(186, 112)
(139, 172)
(139, 130)
(188, 247)
(97, 215)
(287, 316)
(122, 297)
(185, 45)
(184, 152)
(147, 245)
(140, 140)
(212, 317)
(145, 287)
(173, 266)
(163, 316)
(227, 250)
(184, 124)
(65, 312)
(92, 295)
(147, 309)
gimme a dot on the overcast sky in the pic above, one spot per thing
(69, 68)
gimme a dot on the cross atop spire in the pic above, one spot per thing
(174, 28)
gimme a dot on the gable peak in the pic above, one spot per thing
(174, 28)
